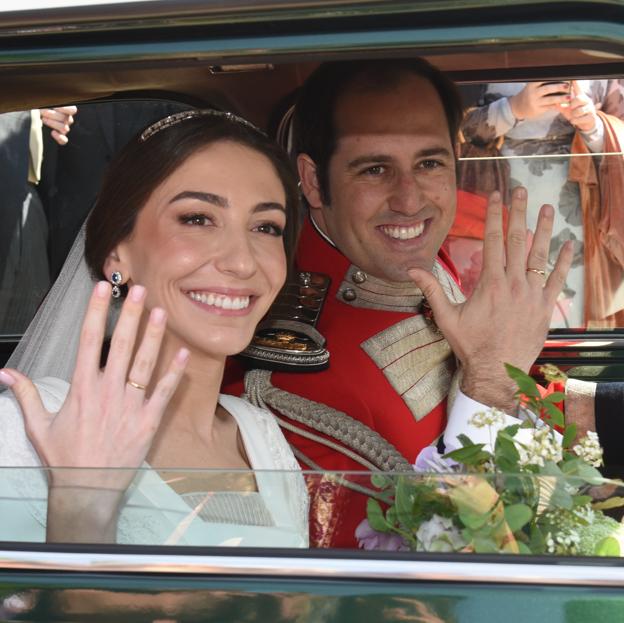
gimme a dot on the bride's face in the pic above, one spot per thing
(208, 247)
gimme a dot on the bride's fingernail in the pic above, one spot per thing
(182, 356)
(137, 293)
(6, 378)
(157, 316)
(102, 289)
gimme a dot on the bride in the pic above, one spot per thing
(193, 229)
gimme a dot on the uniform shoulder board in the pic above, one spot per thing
(287, 338)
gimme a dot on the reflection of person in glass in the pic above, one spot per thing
(540, 120)
(194, 221)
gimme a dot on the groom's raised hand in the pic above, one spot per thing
(506, 318)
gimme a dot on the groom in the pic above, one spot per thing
(375, 147)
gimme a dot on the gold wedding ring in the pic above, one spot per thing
(137, 385)
(537, 271)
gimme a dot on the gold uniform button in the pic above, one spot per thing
(359, 276)
(349, 295)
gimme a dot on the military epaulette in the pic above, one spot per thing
(287, 338)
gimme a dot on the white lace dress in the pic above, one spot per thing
(274, 516)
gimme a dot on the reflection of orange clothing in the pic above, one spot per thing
(470, 217)
(602, 190)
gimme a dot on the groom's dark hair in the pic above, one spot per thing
(314, 127)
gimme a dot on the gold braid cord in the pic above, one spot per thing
(363, 444)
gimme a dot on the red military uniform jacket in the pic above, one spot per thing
(389, 368)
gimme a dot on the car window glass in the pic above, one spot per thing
(449, 512)
(54, 195)
(579, 172)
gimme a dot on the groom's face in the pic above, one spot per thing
(391, 179)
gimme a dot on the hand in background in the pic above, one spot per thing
(59, 120)
(536, 98)
(581, 112)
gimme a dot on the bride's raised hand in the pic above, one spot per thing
(107, 420)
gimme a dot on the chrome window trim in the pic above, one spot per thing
(560, 573)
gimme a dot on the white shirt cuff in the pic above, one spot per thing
(464, 408)
(457, 424)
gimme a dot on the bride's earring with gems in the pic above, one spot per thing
(116, 279)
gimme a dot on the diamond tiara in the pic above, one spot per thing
(179, 117)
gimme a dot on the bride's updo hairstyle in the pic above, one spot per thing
(150, 158)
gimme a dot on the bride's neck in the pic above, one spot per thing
(194, 403)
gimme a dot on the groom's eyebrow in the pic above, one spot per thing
(217, 200)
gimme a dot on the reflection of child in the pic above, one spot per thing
(538, 121)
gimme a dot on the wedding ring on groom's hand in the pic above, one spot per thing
(537, 271)
(137, 385)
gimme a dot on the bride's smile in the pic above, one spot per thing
(219, 302)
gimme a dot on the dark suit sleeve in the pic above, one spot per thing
(609, 412)
(14, 155)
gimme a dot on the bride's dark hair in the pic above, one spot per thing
(154, 155)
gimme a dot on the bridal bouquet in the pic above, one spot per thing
(530, 490)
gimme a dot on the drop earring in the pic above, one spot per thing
(116, 279)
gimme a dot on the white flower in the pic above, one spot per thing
(563, 542)
(492, 417)
(439, 534)
(550, 543)
(585, 513)
(570, 532)
(543, 446)
(589, 449)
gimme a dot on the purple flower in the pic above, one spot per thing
(371, 539)
(430, 460)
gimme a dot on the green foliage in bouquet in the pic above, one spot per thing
(531, 490)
